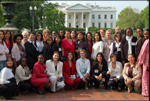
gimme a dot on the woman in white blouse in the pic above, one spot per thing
(23, 75)
(18, 50)
(8, 86)
(83, 69)
(39, 41)
(3, 50)
(116, 46)
(97, 46)
(54, 69)
(115, 71)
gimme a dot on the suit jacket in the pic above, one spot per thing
(124, 48)
(136, 72)
(138, 46)
(97, 72)
(47, 53)
(55, 47)
(50, 68)
(38, 72)
(31, 53)
(67, 70)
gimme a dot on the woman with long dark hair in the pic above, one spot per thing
(39, 42)
(73, 35)
(69, 72)
(8, 85)
(116, 46)
(56, 46)
(47, 49)
(100, 70)
(3, 51)
(81, 43)
(98, 45)
(8, 41)
(61, 34)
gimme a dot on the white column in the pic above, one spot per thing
(66, 19)
(89, 19)
(74, 19)
(82, 20)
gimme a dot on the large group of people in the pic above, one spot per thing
(73, 60)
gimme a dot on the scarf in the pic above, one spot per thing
(129, 39)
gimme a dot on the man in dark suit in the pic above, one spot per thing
(31, 51)
(127, 45)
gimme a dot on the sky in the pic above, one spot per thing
(120, 5)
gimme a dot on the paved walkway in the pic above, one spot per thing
(82, 94)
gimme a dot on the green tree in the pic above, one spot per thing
(2, 19)
(146, 17)
(127, 18)
(23, 19)
(141, 21)
(55, 19)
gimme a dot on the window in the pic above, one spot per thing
(99, 25)
(111, 25)
(105, 17)
(83, 16)
(99, 16)
(93, 17)
(76, 16)
(83, 25)
(111, 16)
(69, 24)
(105, 25)
(69, 16)
(93, 25)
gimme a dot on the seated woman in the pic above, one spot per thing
(54, 69)
(23, 75)
(132, 74)
(18, 50)
(100, 70)
(69, 72)
(83, 69)
(115, 71)
(8, 86)
(39, 77)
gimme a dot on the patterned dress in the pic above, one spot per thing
(82, 45)
(143, 59)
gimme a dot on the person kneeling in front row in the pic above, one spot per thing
(115, 71)
(99, 71)
(83, 69)
(132, 74)
(54, 69)
(69, 72)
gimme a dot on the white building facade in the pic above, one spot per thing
(82, 16)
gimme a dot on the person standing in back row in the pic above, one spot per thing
(31, 51)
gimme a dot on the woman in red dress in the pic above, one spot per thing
(39, 77)
(69, 72)
(67, 44)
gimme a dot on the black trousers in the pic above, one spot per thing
(120, 83)
(97, 83)
(30, 66)
(24, 85)
(9, 90)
